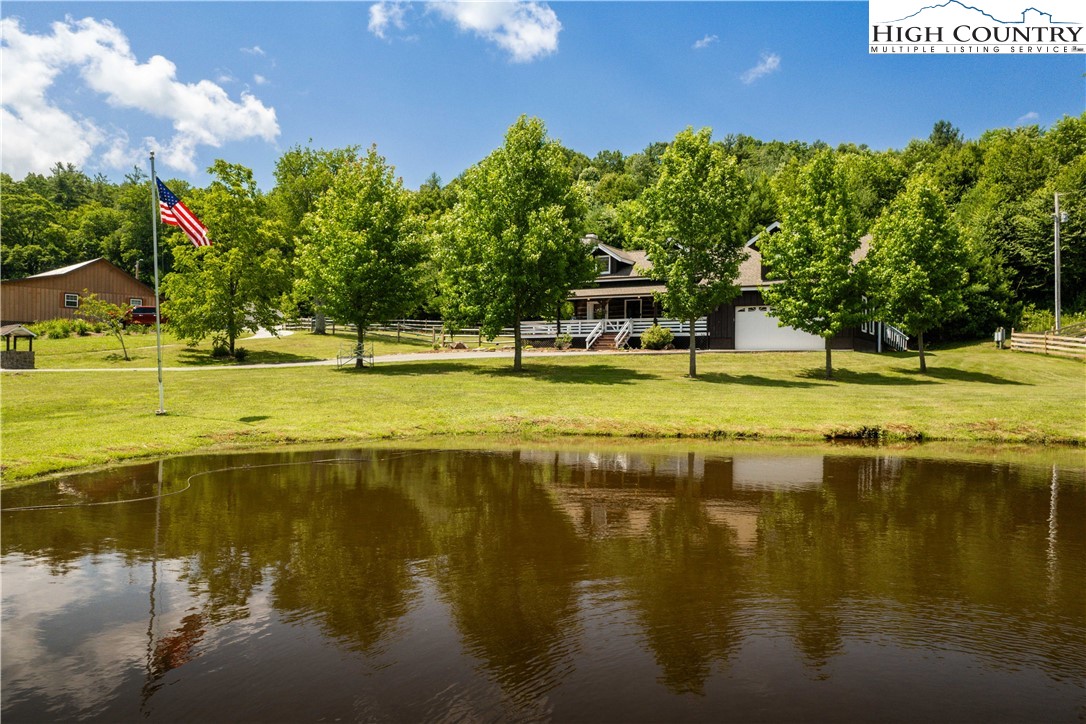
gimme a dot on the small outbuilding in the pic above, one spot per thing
(11, 357)
(55, 294)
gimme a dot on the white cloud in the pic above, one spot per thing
(37, 132)
(705, 42)
(769, 63)
(255, 50)
(383, 14)
(526, 30)
(259, 79)
(1027, 118)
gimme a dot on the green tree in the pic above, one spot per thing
(302, 175)
(110, 316)
(692, 223)
(512, 249)
(358, 255)
(916, 263)
(821, 289)
(236, 284)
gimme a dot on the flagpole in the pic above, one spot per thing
(158, 318)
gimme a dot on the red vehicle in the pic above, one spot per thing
(142, 315)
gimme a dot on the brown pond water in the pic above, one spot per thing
(415, 585)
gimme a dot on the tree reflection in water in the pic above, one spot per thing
(702, 556)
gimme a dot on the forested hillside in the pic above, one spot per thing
(999, 189)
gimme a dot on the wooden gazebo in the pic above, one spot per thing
(13, 358)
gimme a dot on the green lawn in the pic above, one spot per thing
(103, 351)
(65, 420)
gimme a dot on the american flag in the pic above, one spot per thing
(176, 213)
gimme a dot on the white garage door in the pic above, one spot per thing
(755, 329)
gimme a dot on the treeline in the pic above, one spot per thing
(998, 190)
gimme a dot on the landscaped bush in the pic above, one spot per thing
(240, 353)
(656, 337)
(220, 351)
(81, 327)
(53, 328)
(563, 341)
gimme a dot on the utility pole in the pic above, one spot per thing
(1058, 218)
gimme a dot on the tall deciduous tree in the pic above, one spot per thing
(236, 284)
(512, 249)
(302, 175)
(916, 263)
(358, 254)
(692, 223)
(821, 288)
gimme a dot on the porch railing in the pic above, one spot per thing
(595, 334)
(624, 333)
(894, 338)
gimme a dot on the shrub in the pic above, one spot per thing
(53, 328)
(563, 341)
(220, 351)
(240, 353)
(656, 337)
(81, 327)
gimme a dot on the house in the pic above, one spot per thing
(55, 294)
(621, 305)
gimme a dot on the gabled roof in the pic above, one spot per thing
(16, 330)
(64, 270)
(620, 254)
(750, 269)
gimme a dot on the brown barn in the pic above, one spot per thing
(56, 293)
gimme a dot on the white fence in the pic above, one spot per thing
(576, 328)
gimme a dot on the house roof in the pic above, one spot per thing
(64, 269)
(643, 290)
(750, 269)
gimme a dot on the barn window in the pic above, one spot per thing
(603, 264)
(135, 301)
(71, 301)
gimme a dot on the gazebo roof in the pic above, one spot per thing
(16, 330)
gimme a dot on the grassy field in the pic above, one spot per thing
(65, 420)
(104, 351)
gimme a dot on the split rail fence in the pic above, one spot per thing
(1049, 343)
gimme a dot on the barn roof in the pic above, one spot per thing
(64, 269)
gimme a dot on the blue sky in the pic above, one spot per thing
(435, 87)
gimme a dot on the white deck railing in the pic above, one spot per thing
(894, 338)
(624, 333)
(578, 328)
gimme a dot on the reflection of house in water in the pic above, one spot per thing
(617, 494)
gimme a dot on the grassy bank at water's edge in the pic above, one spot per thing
(66, 420)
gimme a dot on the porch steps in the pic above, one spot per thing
(605, 341)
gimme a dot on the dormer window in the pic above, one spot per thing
(603, 264)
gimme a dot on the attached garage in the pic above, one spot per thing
(755, 329)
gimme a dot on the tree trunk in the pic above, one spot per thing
(359, 360)
(516, 344)
(120, 338)
(920, 345)
(558, 318)
(829, 360)
(319, 323)
(693, 352)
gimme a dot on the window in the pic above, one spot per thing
(135, 301)
(71, 301)
(603, 263)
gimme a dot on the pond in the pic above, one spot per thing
(755, 583)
